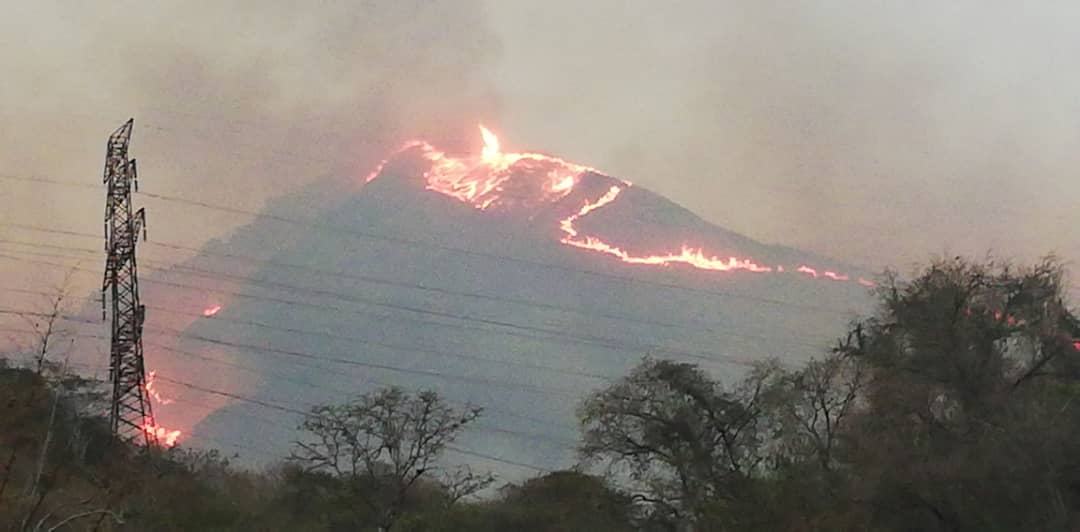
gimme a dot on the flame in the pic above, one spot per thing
(567, 224)
(149, 387)
(211, 310)
(490, 181)
(164, 436)
(491, 145)
(693, 256)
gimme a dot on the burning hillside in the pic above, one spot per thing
(532, 182)
(513, 281)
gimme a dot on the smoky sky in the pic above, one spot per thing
(879, 133)
(235, 102)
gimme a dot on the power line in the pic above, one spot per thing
(312, 223)
(301, 354)
(516, 386)
(554, 333)
(357, 339)
(264, 372)
(565, 444)
(189, 434)
(520, 330)
(283, 408)
(316, 357)
(708, 326)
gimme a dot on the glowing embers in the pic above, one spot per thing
(211, 311)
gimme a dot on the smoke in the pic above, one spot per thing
(877, 132)
(234, 102)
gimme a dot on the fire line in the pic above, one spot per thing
(484, 181)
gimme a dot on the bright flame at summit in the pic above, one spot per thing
(483, 181)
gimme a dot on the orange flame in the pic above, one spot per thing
(149, 387)
(211, 310)
(567, 224)
(164, 436)
(693, 256)
(487, 181)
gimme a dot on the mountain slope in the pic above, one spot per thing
(422, 278)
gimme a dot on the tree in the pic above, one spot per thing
(47, 330)
(813, 405)
(805, 484)
(568, 500)
(382, 446)
(682, 440)
(971, 414)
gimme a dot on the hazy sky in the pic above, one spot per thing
(876, 132)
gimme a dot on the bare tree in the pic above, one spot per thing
(814, 404)
(381, 444)
(46, 325)
(59, 522)
(681, 438)
(47, 333)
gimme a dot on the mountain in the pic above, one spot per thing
(517, 282)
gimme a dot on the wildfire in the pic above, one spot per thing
(490, 152)
(486, 182)
(211, 310)
(149, 387)
(164, 436)
(691, 256)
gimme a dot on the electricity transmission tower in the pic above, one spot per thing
(130, 417)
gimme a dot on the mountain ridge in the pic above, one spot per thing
(495, 311)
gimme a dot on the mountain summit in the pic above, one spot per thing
(514, 281)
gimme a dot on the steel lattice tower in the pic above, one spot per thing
(131, 417)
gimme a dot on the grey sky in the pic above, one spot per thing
(879, 132)
(875, 132)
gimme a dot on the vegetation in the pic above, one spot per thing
(954, 407)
